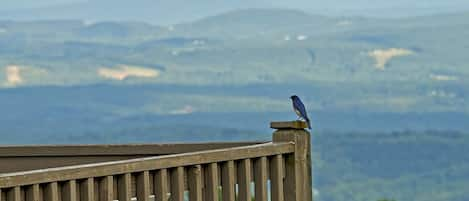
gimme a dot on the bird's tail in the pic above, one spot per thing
(309, 123)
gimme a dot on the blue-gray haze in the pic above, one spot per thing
(178, 11)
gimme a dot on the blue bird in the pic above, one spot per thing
(300, 109)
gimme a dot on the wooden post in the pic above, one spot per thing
(194, 178)
(124, 184)
(298, 179)
(143, 186)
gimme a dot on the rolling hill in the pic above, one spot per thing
(388, 97)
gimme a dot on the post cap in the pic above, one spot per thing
(288, 125)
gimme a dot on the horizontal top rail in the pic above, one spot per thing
(143, 164)
(114, 149)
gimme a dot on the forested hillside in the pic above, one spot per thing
(388, 98)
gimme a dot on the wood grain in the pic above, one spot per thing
(244, 179)
(289, 125)
(106, 189)
(276, 178)
(14, 194)
(195, 183)
(161, 185)
(228, 181)
(260, 179)
(177, 184)
(211, 182)
(143, 186)
(87, 190)
(142, 164)
(51, 192)
(69, 191)
(298, 178)
(124, 188)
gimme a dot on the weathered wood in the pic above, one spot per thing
(289, 125)
(244, 180)
(14, 194)
(16, 164)
(211, 182)
(27, 158)
(143, 186)
(142, 164)
(87, 190)
(260, 179)
(51, 192)
(286, 161)
(228, 181)
(291, 182)
(106, 188)
(298, 179)
(96, 189)
(115, 149)
(69, 191)
(177, 184)
(195, 183)
(33, 193)
(124, 188)
(115, 187)
(276, 178)
(161, 185)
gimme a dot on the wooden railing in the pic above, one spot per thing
(24, 158)
(281, 167)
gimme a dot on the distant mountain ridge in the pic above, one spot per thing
(165, 12)
(150, 11)
(343, 63)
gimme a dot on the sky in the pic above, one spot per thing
(311, 4)
(23, 4)
(178, 11)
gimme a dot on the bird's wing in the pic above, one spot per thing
(301, 108)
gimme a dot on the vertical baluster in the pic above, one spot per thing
(195, 183)
(78, 190)
(177, 184)
(276, 178)
(69, 191)
(133, 185)
(124, 185)
(106, 189)
(2, 195)
(290, 178)
(244, 180)
(211, 182)
(51, 192)
(161, 185)
(87, 190)
(115, 188)
(14, 194)
(143, 186)
(33, 193)
(228, 181)
(96, 189)
(260, 179)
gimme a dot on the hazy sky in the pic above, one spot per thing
(176, 11)
(339, 4)
(20, 4)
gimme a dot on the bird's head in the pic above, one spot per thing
(293, 97)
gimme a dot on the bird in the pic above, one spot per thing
(300, 109)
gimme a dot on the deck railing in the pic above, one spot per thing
(24, 158)
(281, 167)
